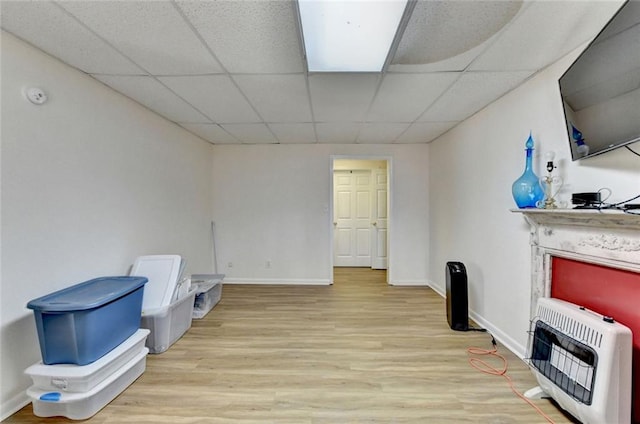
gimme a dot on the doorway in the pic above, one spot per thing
(360, 204)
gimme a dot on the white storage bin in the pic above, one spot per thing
(169, 323)
(205, 301)
(80, 406)
(208, 289)
(83, 378)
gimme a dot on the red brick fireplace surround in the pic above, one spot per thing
(592, 259)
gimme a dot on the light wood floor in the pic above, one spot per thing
(355, 352)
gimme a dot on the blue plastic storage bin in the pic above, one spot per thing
(82, 323)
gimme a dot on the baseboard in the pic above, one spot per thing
(13, 405)
(310, 282)
(417, 283)
(504, 339)
(437, 289)
(278, 281)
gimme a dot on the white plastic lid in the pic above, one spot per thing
(163, 272)
(80, 371)
(70, 397)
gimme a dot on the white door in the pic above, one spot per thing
(379, 213)
(352, 218)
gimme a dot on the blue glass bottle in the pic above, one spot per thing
(526, 189)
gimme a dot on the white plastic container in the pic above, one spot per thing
(83, 378)
(81, 406)
(169, 323)
(206, 300)
(208, 292)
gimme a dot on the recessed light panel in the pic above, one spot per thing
(349, 35)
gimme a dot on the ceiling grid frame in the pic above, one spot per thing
(591, 19)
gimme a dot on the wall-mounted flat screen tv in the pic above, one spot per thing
(601, 89)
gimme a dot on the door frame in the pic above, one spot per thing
(389, 160)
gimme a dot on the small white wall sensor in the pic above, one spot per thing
(35, 95)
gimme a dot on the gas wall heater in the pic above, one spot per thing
(582, 360)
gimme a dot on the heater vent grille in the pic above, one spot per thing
(570, 326)
(568, 363)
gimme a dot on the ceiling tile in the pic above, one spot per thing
(380, 133)
(265, 98)
(404, 97)
(338, 133)
(213, 133)
(342, 97)
(51, 29)
(294, 133)
(439, 30)
(453, 64)
(251, 133)
(249, 36)
(151, 33)
(155, 96)
(278, 98)
(205, 93)
(478, 89)
(424, 132)
(545, 31)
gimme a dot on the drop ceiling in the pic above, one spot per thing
(233, 72)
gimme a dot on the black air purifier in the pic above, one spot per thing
(457, 302)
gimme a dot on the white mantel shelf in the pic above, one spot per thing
(608, 219)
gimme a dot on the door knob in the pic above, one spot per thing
(375, 223)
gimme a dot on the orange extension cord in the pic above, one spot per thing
(484, 367)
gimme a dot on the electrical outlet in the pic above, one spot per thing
(268, 264)
(230, 265)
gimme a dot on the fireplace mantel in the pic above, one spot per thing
(594, 258)
(609, 238)
(582, 217)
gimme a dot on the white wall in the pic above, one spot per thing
(472, 168)
(90, 181)
(272, 203)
